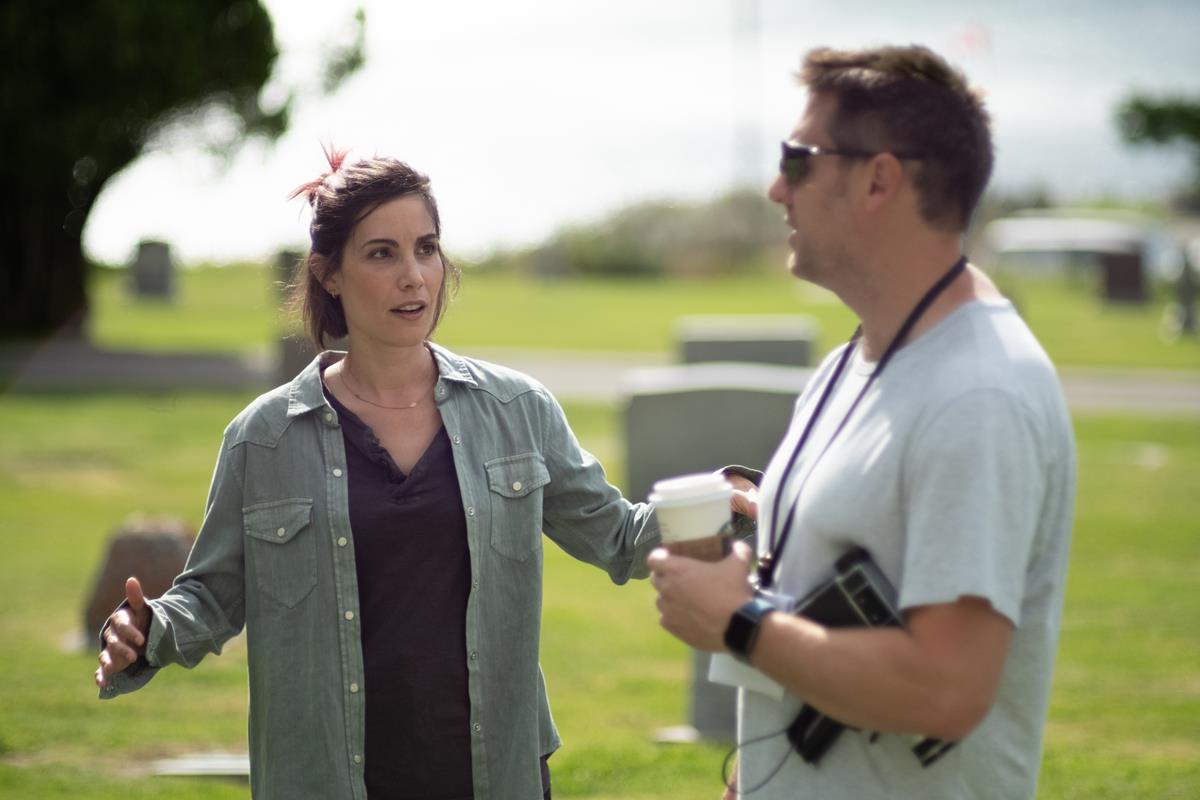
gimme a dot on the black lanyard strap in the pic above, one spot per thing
(778, 536)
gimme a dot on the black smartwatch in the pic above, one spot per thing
(744, 626)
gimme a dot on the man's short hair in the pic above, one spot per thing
(909, 99)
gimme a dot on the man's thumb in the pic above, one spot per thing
(133, 593)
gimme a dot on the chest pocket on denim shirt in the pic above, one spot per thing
(515, 484)
(282, 548)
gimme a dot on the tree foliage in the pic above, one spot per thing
(87, 85)
(1143, 119)
(1165, 121)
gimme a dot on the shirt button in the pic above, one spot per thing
(458, 440)
(349, 615)
(341, 541)
(328, 417)
(470, 511)
(354, 688)
(357, 758)
(472, 655)
(281, 532)
(516, 486)
(337, 472)
(475, 584)
(477, 727)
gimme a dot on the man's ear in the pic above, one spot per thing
(885, 176)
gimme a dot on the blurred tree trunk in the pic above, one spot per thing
(86, 85)
(44, 272)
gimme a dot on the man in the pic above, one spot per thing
(938, 441)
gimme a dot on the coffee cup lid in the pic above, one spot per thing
(689, 488)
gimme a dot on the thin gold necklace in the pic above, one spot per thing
(346, 371)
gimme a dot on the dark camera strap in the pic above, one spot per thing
(777, 536)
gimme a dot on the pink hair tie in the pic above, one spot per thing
(334, 179)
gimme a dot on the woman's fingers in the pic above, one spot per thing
(745, 503)
(128, 629)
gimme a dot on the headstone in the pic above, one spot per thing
(786, 339)
(697, 418)
(296, 351)
(295, 348)
(153, 271)
(152, 550)
(1123, 277)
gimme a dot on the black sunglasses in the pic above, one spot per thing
(794, 163)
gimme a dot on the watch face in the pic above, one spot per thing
(743, 627)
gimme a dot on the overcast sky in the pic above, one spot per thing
(528, 115)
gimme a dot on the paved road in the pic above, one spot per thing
(603, 377)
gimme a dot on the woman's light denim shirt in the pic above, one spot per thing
(275, 553)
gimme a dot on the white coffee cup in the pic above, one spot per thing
(693, 514)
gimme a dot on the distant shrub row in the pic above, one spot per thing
(670, 239)
(655, 239)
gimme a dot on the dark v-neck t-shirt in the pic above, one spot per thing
(414, 575)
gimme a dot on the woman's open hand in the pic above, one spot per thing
(124, 634)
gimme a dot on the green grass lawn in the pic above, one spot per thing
(235, 308)
(1125, 712)
(1125, 709)
(224, 309)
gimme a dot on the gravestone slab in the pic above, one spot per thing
(788, 340)
(152, 550)
(153, 271)
(698, 418)
(1123, 277)
(296, 351)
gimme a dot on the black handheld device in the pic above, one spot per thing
(857, 595)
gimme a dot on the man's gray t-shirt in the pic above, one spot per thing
(957, 473)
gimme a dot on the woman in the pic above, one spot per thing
(376, 526)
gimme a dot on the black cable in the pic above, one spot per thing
(733, 752)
